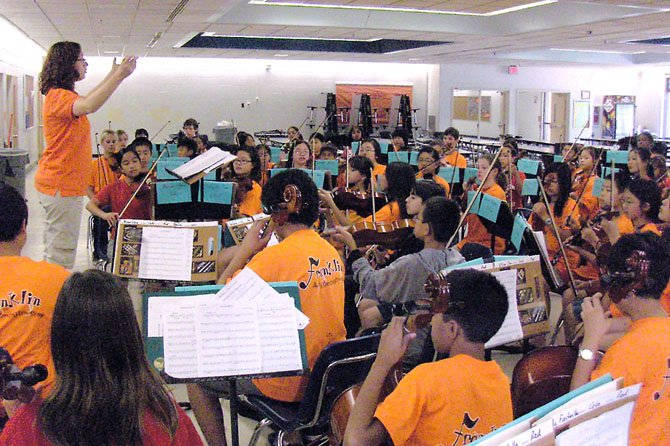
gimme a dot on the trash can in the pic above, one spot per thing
(13, 164)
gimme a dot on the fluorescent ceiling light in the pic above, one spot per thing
(317, 39)
(281, 55)
(392, 9)
(596, 51)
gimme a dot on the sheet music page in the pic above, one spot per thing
(246, 286)
(201, 162)
(179, 339)
(279, 336)
(611, 429)
(228, 339)
(510, 330)
(159, 305)
(166, 253)
(301, 318)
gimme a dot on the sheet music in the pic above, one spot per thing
(246, 286)
(279, 336)
(228, 339)
(611, 429)
(166, 253)
(510, 330)
(179, 341)
(159, 305)
(213, 156)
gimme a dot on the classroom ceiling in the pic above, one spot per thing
(459, 31)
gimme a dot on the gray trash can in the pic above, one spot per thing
(224, 134)
(13, 164)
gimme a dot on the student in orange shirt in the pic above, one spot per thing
(28, 292)
(494, 186)
(584, 178)
(428, 162)
(247, 174)
(451, 156)
(397, 183)
(64, 170)
(265, 159)
(371, 149)
(106, 170)
(643, 354)
(640, 202)
(301, 256)
(452, 401)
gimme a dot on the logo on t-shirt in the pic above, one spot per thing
(321, 274)
(657, 395)
(13, 300)
(466, 433)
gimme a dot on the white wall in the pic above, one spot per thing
(212, 90)
(645, 82)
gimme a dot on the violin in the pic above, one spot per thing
(388, 235)
(357, 201)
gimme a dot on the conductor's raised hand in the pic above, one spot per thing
(254, 242)
(127, 66)
(393, 344)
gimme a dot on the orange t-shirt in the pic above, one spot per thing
(589, 201)
(65, 165)
(643, 356)
(456, 159)
(387, 214)
(452, 402)
(439, 180)
(306, 258)
(28, 293)
(102, 174)
(379, 169)
(650, 227)
(251, 205)
(477, 232)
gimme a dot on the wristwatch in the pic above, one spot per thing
(586, 354)
(547, 221)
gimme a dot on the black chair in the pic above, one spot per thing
(339, 366)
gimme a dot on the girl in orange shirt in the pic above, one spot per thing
(583, 180)
(371, 149)
(640, 202)
(265, 159)
(494, 186)
(515, 178)
(428, 162)
(246, 173)
(398, 184)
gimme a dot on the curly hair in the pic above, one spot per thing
(58, 70)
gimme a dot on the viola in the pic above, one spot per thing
(388, 235)
(357, 201)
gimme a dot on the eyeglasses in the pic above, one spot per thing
(239, 161)
(549, 182)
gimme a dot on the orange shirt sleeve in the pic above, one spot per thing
(251, 205)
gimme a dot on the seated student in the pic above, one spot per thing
(583, 179)
(245, 139)
(659, 150)
(451, 155)
(28, 292)
(640, 202)
(247, 174)
(397, 183)
(660, 168)
(301, 256)
(141, 133)
(371, 149)
(144, 148)
(556, 183)
(121, 140)
(300, 156)
(641, 355)
(328, 152)
(495, 186)
(403, 280)
(265, 158)
(359, 174)
(645, 140)
(316, 141)
(190, 128)
(451, 401)
(187, 148)
(105, 172)
(355, 134)
(203, 143)
(428, 162)
(638, 163)
(399, 139)
(107, 392)
(117, 195)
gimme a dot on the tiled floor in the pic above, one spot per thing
(34, 249)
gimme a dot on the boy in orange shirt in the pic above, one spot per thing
(28, 292)
(453, 401)
(638, 271)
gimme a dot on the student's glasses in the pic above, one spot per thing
(243, 162)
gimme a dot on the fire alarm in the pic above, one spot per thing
(513, 69)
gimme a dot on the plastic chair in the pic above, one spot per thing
(541, 377)
(338, 367)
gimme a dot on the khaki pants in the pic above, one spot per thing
(61, 228)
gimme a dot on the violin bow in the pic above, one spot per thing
(569, 152)
(545, 199)
(144, 180)
(474, 199)
(161, 129)
(297, 133)
(374, 205)
(328, 115)
(593, 168)
(612, 187)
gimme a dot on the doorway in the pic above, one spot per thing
(542, 115)
(480, 113)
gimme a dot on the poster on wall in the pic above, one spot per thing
(581, 114)
(609, 113)
(380, 99)
(467, 108)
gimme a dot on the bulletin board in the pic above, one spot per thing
(467, 108)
